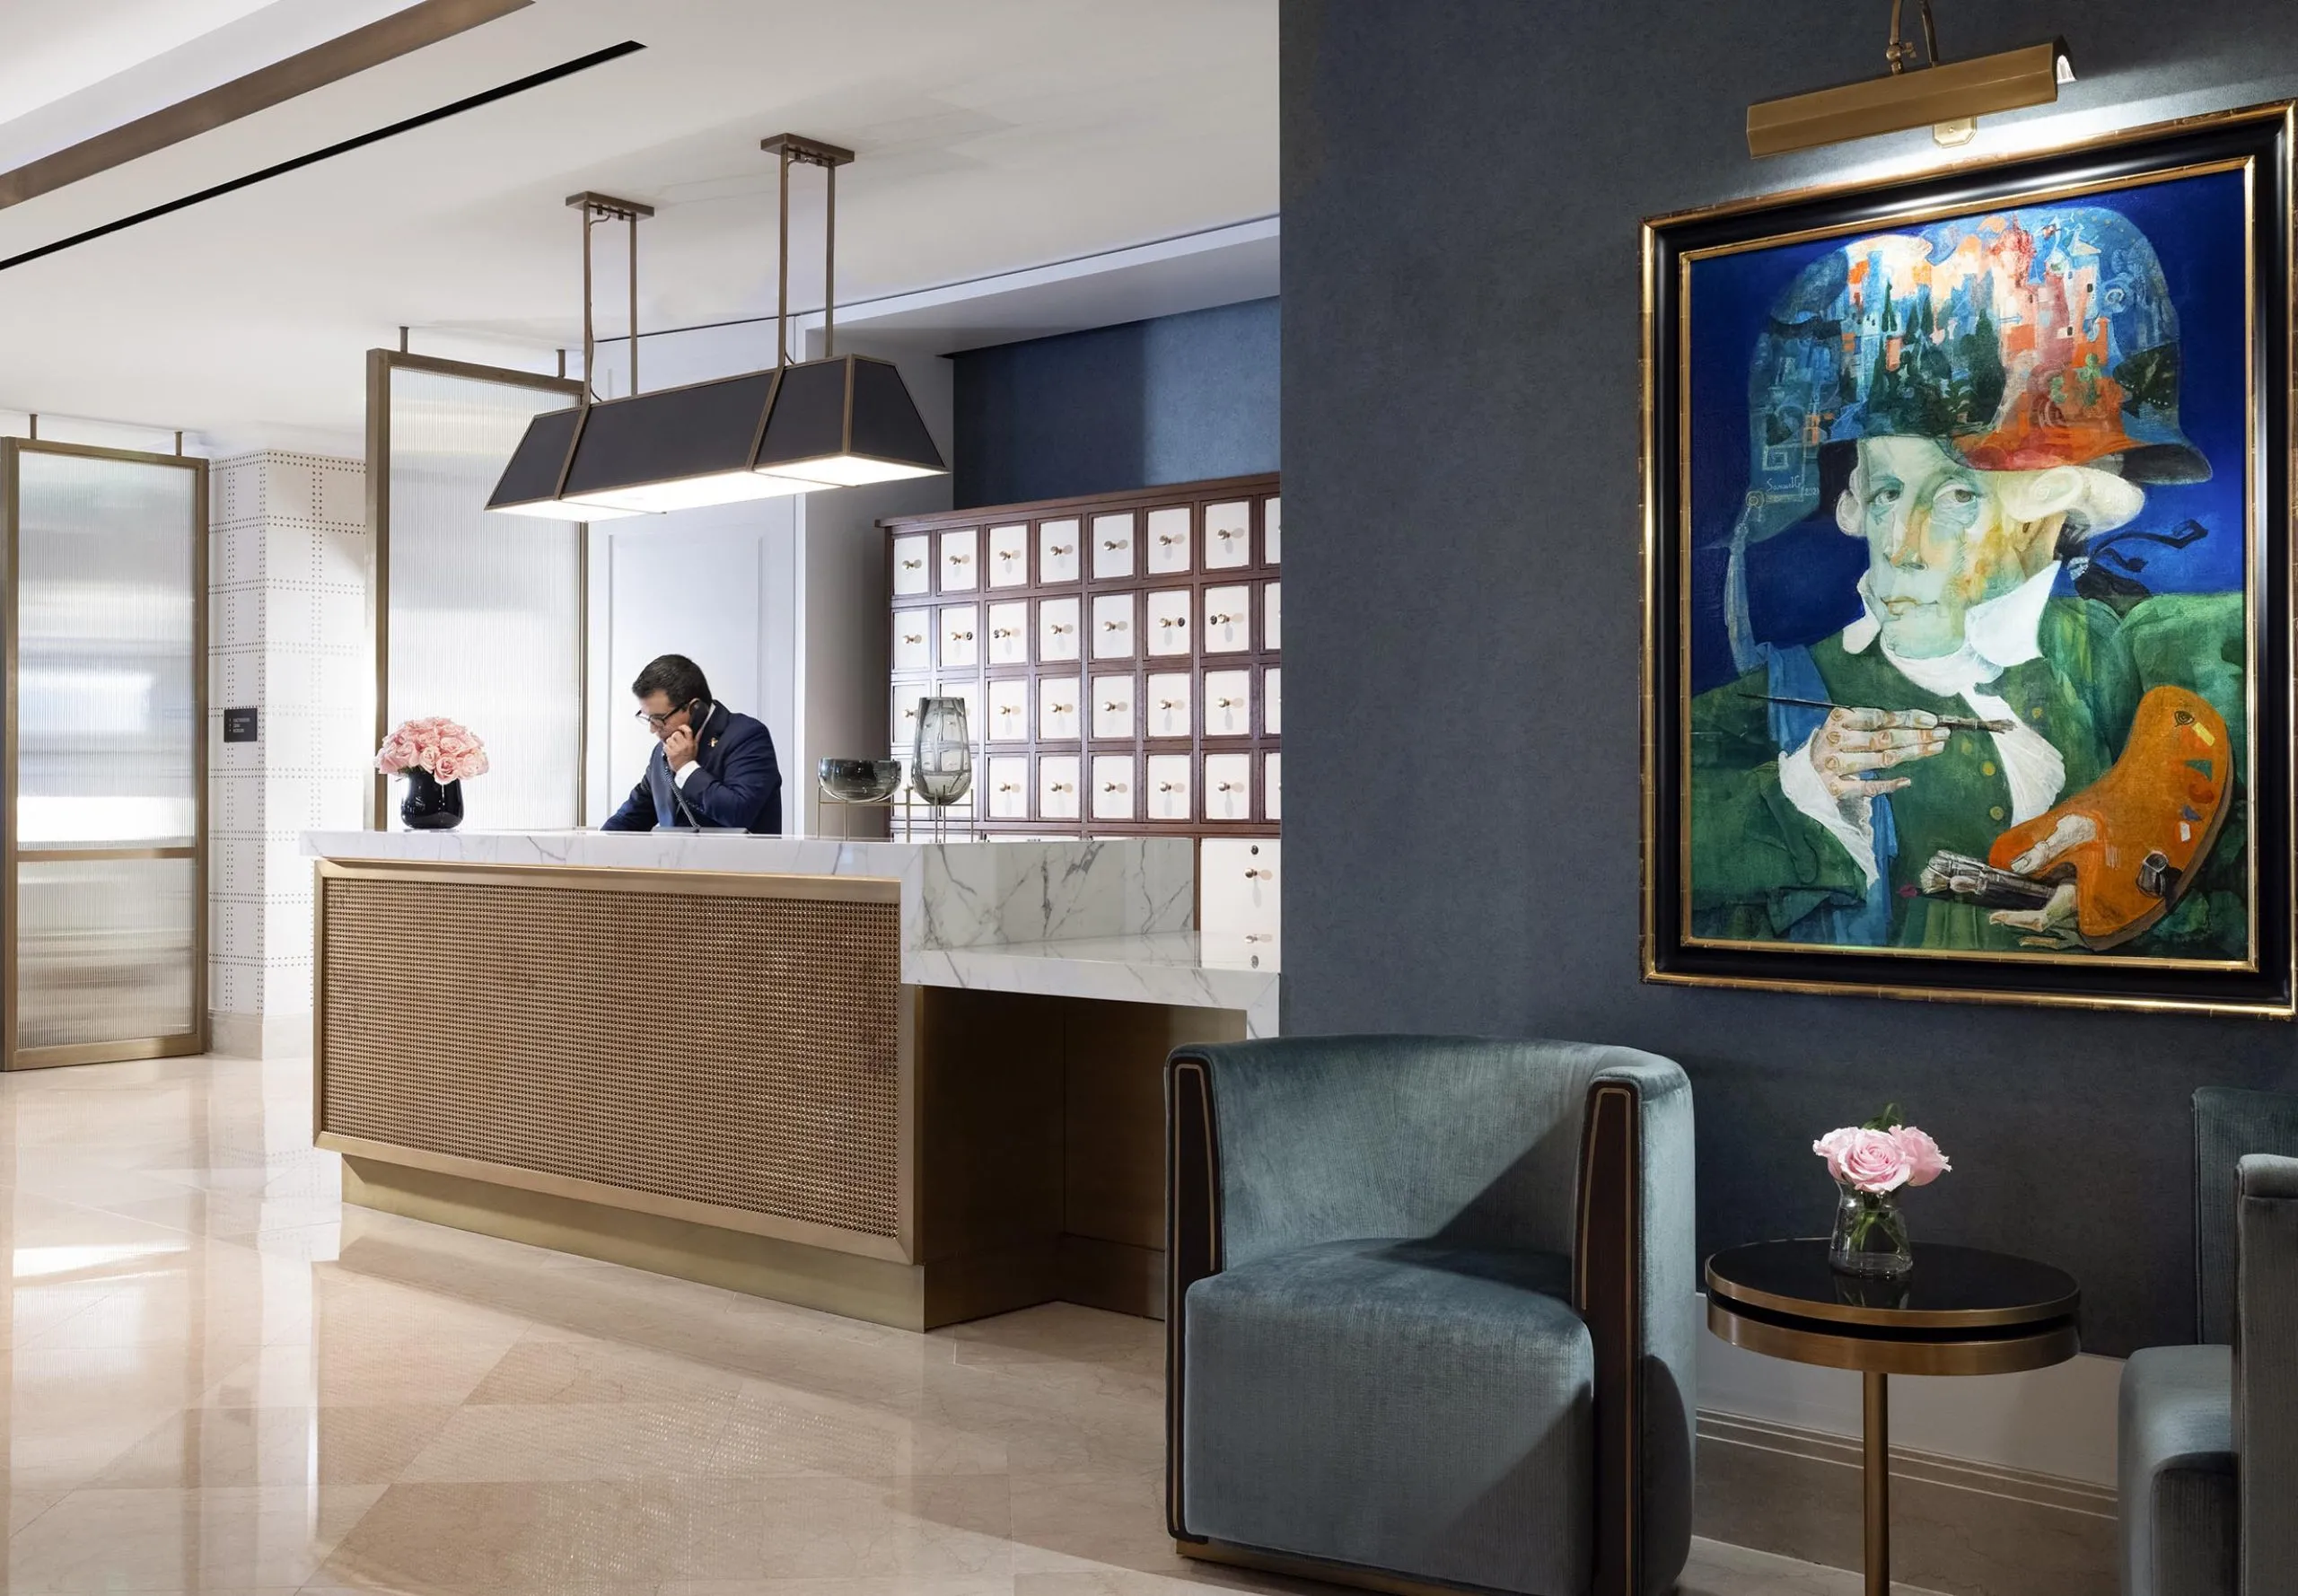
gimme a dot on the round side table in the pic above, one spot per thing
(1960, 1310)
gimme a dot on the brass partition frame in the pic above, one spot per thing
(381, 364)
(900, 1247)
(11, 1056)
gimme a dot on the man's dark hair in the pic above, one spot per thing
(676, 678)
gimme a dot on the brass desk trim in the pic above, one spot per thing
(1850, 1313)
(600, 1194)
(622, 878)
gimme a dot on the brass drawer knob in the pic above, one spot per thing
(1060, 626)
(1257, 875)
(1062, 708)
(960, 559)
(1112, 786)
(912, 565)
(1113, 625)
(1168, 540)
(1114, 544)
(913, 637)
(1062, 548)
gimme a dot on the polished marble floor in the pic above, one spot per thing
(218, 1381)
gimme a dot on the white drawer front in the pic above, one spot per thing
(905, 701)
(1241, 894)
(1228, 786)
(960, 560)
(1272, 701)
(1228, 704)
(1228, 536)
(1057, 560)
(913, 568)
(1008, 720)
(1272, 617)
(1009, 787)
(1113, 549)
(1113, 626)
(1113, 706)
(1272, 786)
(1009, 633)
(1114, 798)
(1272, 531)
(1057, 715)
(961, 635)
(1167, 787)
(1008, 560)
(1166, 542)
(1166, 626)
(1228, 619)
(1058, 786)
(913, 639)
(1057, 627)
(1168, 708)
(968, 693)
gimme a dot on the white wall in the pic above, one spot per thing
(718, 586)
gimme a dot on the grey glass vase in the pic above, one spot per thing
(940, 767)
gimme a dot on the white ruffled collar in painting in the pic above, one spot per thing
(1997, 634)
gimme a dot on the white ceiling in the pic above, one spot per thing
(994, 135)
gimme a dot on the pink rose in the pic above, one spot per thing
(1925, 1161)
(1870, 1160)
(446, 770)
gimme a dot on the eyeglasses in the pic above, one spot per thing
(659, 721)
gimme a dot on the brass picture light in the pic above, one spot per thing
(1949, 98)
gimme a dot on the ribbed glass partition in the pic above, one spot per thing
(104, 820)
(482, 615)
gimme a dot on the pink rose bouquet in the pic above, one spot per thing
(1871, 1162)
(437, 746)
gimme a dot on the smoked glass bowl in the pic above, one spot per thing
(858, 780)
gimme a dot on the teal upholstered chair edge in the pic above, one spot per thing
(1631, 1243)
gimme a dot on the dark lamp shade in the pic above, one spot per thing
(846, 421)
(823, 424)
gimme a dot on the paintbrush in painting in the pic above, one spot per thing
(1953, 722)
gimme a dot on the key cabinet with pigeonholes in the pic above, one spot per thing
(1118, 655)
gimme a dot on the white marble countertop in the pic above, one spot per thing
(1107, 918)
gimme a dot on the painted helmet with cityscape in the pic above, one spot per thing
(2022, 339)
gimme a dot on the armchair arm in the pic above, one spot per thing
(1632, 1281)
(2265, 1369)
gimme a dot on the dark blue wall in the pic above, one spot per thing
(1177, 400)
(1462, 183)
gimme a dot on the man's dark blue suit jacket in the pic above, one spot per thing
(736, 783)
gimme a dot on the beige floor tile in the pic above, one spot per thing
(175, 1539)
(357, 1374)
(1071, 1522)
(592, 1372)
(276, 1446)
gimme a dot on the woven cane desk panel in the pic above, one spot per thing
(734, 1050)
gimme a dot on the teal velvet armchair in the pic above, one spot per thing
(1431, 1315)
(2209, 1434)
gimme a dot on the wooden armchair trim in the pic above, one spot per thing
(1192, 1241)
(1607, 1292)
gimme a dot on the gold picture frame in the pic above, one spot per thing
(1748, 593)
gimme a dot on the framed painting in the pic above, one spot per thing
(1967, 580)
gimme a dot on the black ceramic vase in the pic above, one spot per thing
(431, 805)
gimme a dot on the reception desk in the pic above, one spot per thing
(907, 1081)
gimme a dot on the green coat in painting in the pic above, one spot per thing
(1762, 869)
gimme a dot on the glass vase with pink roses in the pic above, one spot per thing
(1872, 1164)
(435, 755)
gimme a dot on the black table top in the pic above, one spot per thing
(1949, 1288)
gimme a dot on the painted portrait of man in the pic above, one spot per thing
(1965, 602)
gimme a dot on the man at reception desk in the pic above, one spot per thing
(711, 768)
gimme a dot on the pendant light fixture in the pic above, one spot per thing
(838, 421)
